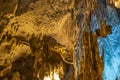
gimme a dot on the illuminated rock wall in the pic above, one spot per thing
(39, 43)
(59, 39)
(110, 46)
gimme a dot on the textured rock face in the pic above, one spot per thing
(116, 3)
(51, 39)
(92, 64)
(7, 6)
(38, 43)
(110, 46)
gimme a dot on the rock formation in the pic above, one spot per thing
(52, 39)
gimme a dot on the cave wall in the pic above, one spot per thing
(110, 45)
(55, 39)
(37, 42)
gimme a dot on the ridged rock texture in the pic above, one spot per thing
(53, 39)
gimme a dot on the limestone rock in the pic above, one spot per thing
(50, 39)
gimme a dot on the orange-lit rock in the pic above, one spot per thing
(38, 41)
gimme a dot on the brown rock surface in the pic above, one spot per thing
(41, 42)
